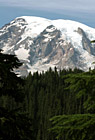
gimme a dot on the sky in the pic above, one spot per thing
(78, 10)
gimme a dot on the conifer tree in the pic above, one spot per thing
(78, 126)
(13, 124)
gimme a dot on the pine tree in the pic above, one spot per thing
(13, 124)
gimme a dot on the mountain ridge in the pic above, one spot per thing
(41, 43)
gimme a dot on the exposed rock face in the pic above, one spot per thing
(11, 33)
(86, 42)
(40, 43)
(45, 44)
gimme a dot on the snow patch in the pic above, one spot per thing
(88, 60)
(22, 53)
(6, 48)
(35, 26)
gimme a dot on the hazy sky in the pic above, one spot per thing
(79, 10)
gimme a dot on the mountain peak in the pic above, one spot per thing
(42, 43)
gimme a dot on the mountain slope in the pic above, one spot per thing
(41, 43)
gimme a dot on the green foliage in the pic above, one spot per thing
(68, 95)
(78, 126)
(13, 124)
(10, 84)
(72, 127)
(47, 96)
(93, 41)
(84, 87)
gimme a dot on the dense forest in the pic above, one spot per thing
(46, 106)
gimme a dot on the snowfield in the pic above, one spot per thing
(34, 26)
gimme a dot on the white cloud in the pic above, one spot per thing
(79, 10)
(53, 5)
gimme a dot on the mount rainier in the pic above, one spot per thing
(42, 43)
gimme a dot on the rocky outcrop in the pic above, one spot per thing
(86, 42)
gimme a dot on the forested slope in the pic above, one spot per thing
(68, 97)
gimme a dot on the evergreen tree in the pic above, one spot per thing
(13, 124)
(78, 126)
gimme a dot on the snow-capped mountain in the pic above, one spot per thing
(41, 43)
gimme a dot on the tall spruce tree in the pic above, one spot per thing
(13, 124)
